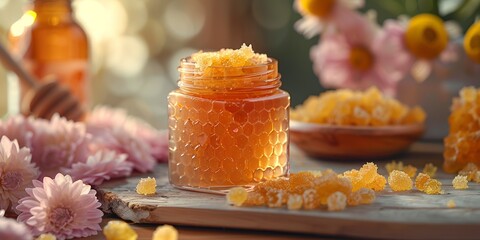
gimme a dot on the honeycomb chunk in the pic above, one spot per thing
(430, 169)
(399, 181)
(470, 170)
(242, 57)
(165, 232)
(295, 202)
(409, 169)
(421, 180)
(147, 186)
(366, 177)
(337, 201)
(460, 182)
(451, 204)
(433, 186)
(237, 196)
(119, 230)
(254, 199)
(311, 190)
(347, 107)
(46, 236)
(462, 145)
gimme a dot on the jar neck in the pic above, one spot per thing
(52, 12)
(257, 80)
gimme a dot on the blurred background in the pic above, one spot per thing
(136, 45)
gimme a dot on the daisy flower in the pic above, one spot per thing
(13, 230)
(104, 165)
(356, 59)
(111, 118)
(61, 207)
(16, 173)
(425, 38)
(317, 15)
(59, 143)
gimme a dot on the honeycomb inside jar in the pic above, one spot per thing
(220, 143)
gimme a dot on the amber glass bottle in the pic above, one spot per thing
(51, 43)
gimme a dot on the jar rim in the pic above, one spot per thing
(188, 64)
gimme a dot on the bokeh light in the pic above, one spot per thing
(184, 18)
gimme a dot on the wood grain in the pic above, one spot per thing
(394, 215)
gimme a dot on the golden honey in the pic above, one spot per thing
(228, 126)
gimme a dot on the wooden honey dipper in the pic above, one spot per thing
(43, 100)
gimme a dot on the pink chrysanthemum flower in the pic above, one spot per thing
(104, 165)
(13, 230)
(61, 207)
(357, 60)
(121, 141)
(16, 173)
(111, 118)
(318, 15)
(19, 128)
(59, 143)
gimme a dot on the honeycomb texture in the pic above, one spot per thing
(462, 145)
(224, 142)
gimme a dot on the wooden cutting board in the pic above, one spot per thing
(393, 215)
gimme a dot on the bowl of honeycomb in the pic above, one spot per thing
(355, 125)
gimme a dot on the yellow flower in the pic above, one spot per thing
(361, 58)
(318, 8)
(471, 42)
(426, 36)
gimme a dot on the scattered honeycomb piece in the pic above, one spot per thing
(366, 177)
(460, 182)
(275, 198)
(451, 204)
(237, 196)
(299, 182)
(119, 230)
(477, 177)
(354, 198)
(165, 232)
(409, 169)
(420, 181)
(295, 202)
(337, 201)
(362, 196)
(430, 169)
(147, 186)
(347, 107)
(394, 165)
(330, 183)
(399, 181)
(433, 186)
(310, 200)
(46, 236)
(311, 190)
(254, 199)
(242, 57)
(470, 170)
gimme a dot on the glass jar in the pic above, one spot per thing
(228, 127)
(50, 42)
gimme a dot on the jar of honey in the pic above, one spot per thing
(228, 124)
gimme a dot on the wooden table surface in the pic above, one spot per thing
(419, 154)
